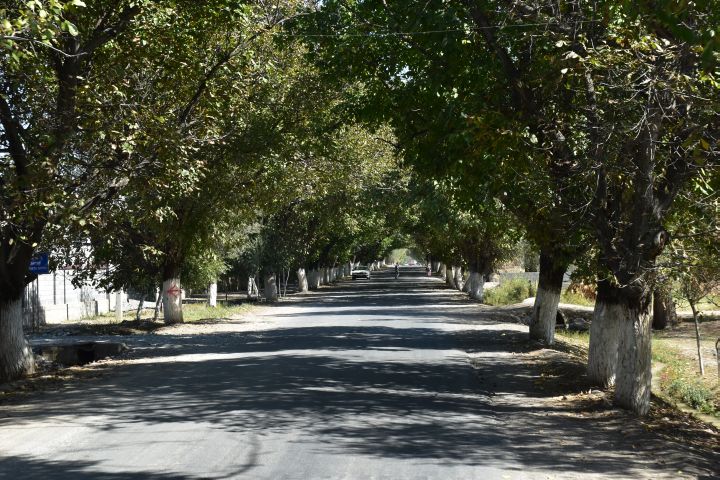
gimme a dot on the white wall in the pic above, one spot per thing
(52, 298)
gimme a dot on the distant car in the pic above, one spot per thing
(360, 272)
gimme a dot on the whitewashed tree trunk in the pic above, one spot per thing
(605, 331)
(250, 288)
(544, 318)
(633, 374)
(450, 277)
(476, 286)
(303, 285)
(458, 273)
(443, 271)
(542, 325)
(271, 294)
(212, 294)
(172, 301)
(119, 306)
(16, 357)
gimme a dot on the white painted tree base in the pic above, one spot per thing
(271, 294)
(303, 285)
(172, 301)
(542, 325)
(476, 286)
(605, 331)
(212, 294)
(634, 373)
(16, 357)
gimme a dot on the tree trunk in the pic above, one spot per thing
(119, 306)
(138, 314)
(663, 309)
(450, 277)
(212, 294)
(16, 357)
(633, 375)
(302, 280)
(314, 279)
(172, 301)
(158, 302)
(605, 331)
(542, 324)
(443, 271)
(696, 320)
(250, 287)
(271, 294)
(476, 286)
(458, 274)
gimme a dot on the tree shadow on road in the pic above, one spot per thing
(340, 387)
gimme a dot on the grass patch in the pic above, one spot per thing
(711, 302)
(681, 381)
(513, 291)
(192, 312)
(201, 311)
(574, 298)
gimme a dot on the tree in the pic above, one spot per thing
(694, 253)
(646, 148)
(51, 54)
(220, 148)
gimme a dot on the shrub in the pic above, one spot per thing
(681, 381)
(575, 298)
(694, 394)
(513, 291)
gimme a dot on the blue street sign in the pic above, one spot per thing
(40, 263)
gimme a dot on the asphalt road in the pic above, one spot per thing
(364, 380)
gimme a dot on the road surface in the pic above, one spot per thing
(380, 379)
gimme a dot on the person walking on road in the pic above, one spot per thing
(397, 270)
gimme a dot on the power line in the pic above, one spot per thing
(423, 32)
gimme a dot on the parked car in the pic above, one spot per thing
(361, 271)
